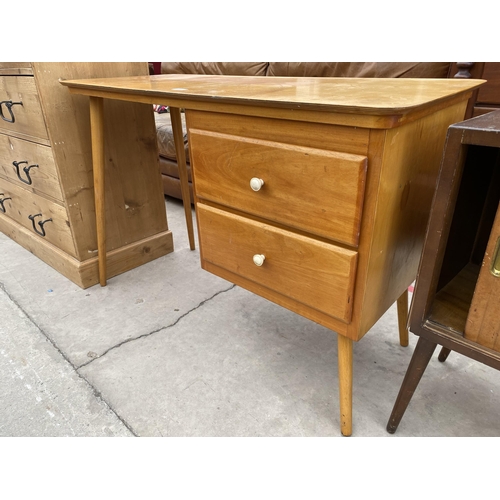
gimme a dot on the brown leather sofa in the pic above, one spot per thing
(168, 164)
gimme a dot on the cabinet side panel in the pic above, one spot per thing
(483, 320)
(410, 166)
(134, 195)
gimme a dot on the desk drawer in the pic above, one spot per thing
(19, 204)
(25, 118)
(314, 190)
(36, 169)
(317, 274)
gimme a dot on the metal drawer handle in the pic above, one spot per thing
(258, 259)
(8, 105)
(256, 183)
(25, 169)
(495, 261)
(2, 207)
(41, 232)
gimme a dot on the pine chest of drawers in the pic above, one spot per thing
(46, 195)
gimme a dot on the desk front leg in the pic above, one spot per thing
(97, 136)
(345, 383)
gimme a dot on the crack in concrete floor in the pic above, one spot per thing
(97, 394)
(144, 335)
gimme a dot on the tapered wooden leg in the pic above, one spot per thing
(403, 318)
(345, 384)
(97, 137)
(419, 361)
(175, 116)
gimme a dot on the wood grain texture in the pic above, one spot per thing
(345, 358)
(364, 102)
(28, 118)
(451, 304)
(313, 135)
(406, 186)
(134, 199)
(15, 68)
(44, 177)
(20, 207)
(318, 191)
(376, 96)
(316, 274)
(98, 159)
(483, 321)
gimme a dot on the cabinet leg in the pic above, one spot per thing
(403, 318)
(443, 355)
(345, 384)
(419, 361)
(97, 137)
(175, 116)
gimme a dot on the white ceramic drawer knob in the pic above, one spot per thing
(256, 183)
(258, 259)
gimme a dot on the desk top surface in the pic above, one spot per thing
(347, 95)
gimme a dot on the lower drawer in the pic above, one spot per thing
(317, 274)
(44, 218)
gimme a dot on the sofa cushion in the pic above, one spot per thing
(215, 68)
(360, 69)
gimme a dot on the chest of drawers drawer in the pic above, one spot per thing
(30, 165)
(314, 190)
(317, 274)
(44, 218)
(21, 109)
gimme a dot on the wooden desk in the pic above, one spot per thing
(311, 192)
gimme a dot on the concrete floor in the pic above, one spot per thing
(170, 350)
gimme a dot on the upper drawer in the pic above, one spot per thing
(25, 118)
(15, 68)
(310, 189)
(20, 205)
(35, 169)
(317, 274)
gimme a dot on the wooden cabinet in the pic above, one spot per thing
(457, 293)
(458, 289)
(340, 216)
(46, 180)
